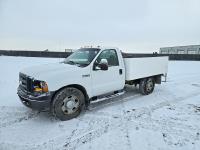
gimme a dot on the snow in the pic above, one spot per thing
(168, 119)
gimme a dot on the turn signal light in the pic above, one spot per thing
(44, 87)
(37, 89)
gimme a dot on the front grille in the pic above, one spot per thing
(25, 82)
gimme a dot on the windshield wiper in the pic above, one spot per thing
(84, 64)
(70, 62)
(76, 63)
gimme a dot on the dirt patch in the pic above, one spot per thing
(196, 109)
(196, 85)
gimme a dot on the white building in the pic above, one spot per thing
(190, 49)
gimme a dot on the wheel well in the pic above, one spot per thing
(81, 88)
(156, 78)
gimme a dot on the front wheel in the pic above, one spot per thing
(147, 86)
(68, 103)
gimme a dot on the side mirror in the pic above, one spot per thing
(103, 64)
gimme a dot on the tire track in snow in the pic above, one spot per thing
(110, 122)
(175, 131)
(87, 137)
(148, 110)
(125, 128)
(170, 127)
(95, 127)
(9, 117)
(129, 115)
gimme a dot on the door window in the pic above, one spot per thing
(110, 55)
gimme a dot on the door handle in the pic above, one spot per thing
(120, 71)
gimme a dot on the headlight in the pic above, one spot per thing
(40, 86)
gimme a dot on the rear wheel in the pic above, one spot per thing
(147, 86)
(68, 103)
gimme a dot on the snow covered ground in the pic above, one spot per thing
(168, 119)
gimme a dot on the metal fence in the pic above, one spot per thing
(191, 57)
(35, 53)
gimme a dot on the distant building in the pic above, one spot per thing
(190, 49)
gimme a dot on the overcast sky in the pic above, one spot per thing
(131, 25)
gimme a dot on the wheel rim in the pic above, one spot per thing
(70, 104)
(150, 85)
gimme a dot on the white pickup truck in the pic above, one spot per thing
(67, 87)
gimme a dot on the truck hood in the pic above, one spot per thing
(43, 72)
(58, 75)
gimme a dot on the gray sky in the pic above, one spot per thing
(131, 25)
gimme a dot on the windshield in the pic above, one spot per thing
(82, 57)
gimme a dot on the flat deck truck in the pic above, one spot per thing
(67, 87)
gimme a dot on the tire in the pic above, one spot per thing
(68, 103)
(146, 86)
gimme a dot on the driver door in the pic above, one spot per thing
(105, 81)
